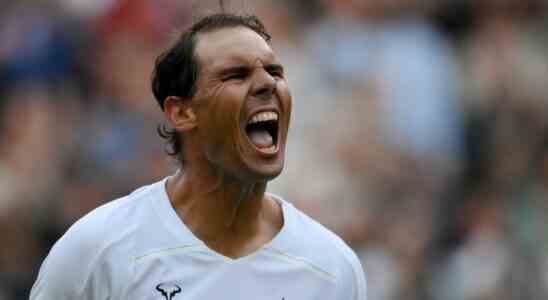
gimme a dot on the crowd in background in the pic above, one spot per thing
(419, 131)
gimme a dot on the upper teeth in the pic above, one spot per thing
(264, 116)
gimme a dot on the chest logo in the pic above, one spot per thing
(168, 290)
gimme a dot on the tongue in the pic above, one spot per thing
(261, 138)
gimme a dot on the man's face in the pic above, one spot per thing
(242, 104)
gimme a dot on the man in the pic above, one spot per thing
(210, 231)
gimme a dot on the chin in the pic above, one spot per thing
(272, 174)
(264, 172)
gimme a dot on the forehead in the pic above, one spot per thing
(233, 45)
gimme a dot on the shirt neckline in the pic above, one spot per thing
(184, 235)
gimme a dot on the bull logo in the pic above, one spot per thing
(168, 290)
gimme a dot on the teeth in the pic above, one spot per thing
(264, 116)
(271, 149)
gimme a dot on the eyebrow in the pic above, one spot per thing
(235, 69)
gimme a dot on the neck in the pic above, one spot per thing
(216, 207)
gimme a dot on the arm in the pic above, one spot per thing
(361, 286)
(352, 285)
(62, 275)
(74, 269)
(358, 280)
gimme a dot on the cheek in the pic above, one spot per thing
(226, 107)
(221, 114)
(219, 105)
(285, 98)
(283, 93)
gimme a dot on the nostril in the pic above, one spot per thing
(266, 86)
(265, 92)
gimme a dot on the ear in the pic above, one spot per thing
(179, 113)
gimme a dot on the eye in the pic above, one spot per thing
(235, 76)
(276, 72)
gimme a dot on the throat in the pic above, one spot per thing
(226, 207)
(240, 239)
(231, 219)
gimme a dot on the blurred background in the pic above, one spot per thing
(419, 131)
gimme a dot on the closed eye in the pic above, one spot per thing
(235, 73)
(275, 70)
(235, 76)
(241, 72)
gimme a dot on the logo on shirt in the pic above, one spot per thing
(168, 290)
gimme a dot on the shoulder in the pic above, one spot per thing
(318, 237)
(323, 248)
(89, 247)
(108, 222)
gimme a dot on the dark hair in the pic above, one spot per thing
(176, 70)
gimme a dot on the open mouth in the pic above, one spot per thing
(262, 131)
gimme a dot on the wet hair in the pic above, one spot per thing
(176, 70)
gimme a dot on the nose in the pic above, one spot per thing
(264, 84)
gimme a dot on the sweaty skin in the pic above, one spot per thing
(225, 100)
(220, 194)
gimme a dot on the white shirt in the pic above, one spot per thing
(138, 248)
